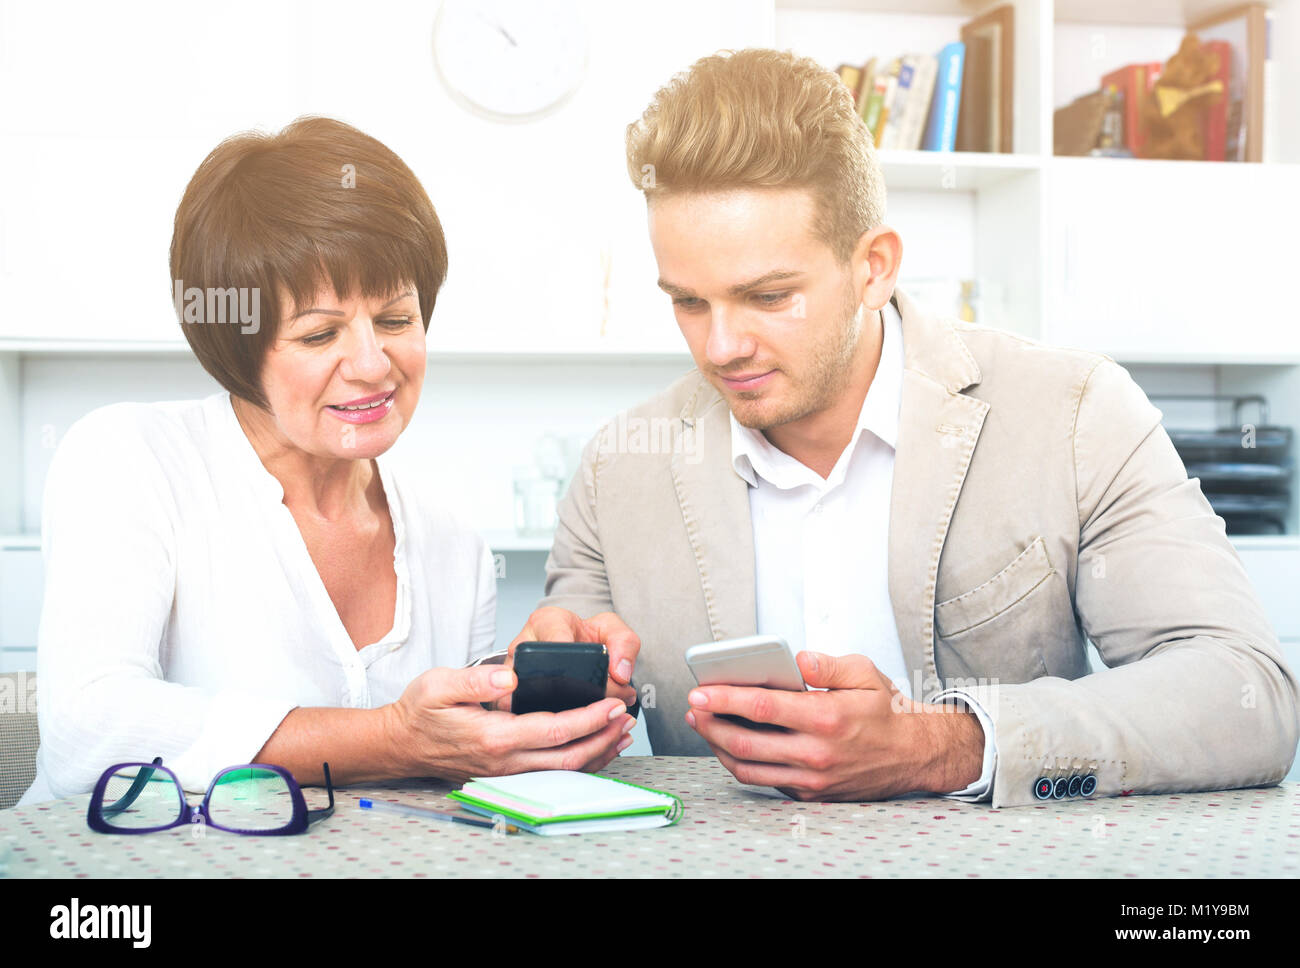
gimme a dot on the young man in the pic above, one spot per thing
(933, 514)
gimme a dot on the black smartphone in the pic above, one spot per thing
(555, 676)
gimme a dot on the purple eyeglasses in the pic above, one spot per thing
(255, 798)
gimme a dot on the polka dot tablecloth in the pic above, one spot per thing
(725, 832)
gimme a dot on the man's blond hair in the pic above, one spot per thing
(759, 118)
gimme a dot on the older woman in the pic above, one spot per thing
(243, 578)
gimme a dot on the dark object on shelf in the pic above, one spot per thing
(1174, 118)
(1076, 127)
(1245, 470)
(1112, 122)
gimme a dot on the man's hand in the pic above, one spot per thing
(552, 624)
(439, 728)
(860, 740)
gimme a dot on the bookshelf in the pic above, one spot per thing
(1199, 303)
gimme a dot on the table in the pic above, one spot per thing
(725, 832)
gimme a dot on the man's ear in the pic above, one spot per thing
(876, 261)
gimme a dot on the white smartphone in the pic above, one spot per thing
(757, 660)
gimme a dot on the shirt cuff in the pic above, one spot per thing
(980, 789)
(235, 727)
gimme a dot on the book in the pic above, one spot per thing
(941, 129)
(1134, 82)
(985, 120)
(866, 87)
(912, 129)
(1250, 92)
(889, 79)
(895, 117)
(553, 802)
(852, 78)
(975, 112)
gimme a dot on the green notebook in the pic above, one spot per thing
(553, 802)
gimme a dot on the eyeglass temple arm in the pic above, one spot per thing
(141, 780)
(320, 813)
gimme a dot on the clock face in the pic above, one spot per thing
(511, 60)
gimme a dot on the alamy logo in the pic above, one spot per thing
(73, 921)
(216, 305)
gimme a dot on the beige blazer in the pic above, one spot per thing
(1036, 500)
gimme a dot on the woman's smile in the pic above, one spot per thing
(365, 410)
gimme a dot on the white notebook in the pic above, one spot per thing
(564, 802)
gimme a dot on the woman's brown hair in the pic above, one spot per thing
(282, 215)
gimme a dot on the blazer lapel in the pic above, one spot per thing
(938, 428)
(714, 500)
(937, 432)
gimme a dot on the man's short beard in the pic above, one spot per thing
(828, 376)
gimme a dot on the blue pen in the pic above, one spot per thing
(384, 805)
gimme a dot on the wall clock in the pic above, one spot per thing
(511, 60)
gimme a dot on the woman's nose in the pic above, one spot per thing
(364, 359)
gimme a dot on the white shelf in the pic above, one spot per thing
(109, 347)
(946, 8)
(1265, 542)
(953, 170)
(510, 541)
(1200, 359)
(1154, 13)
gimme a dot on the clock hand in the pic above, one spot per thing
(498, 27)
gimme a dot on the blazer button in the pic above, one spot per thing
(1059, 787)
(1043, 788)
(1088, 785)
(1076, 781)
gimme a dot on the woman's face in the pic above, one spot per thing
(343, 376)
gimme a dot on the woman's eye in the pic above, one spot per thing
(397, 322)
(316, 339)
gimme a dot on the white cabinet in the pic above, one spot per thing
(1273, 565)
(1157, 259)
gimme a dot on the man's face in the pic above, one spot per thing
(770, 316)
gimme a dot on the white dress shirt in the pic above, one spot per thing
(183, 616)
(821, 547)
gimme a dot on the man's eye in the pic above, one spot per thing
(772, 298)
(689, 304)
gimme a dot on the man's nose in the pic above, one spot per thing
(729, 337)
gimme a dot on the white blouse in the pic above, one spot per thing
(183, 616)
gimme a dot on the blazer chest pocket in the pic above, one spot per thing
(1004, 590)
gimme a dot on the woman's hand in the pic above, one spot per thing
(439, 728)
(551, 624)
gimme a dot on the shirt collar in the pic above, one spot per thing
(754, 456)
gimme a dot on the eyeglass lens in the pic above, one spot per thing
(139, 797)
(251, 799)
